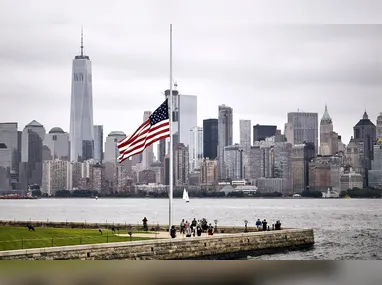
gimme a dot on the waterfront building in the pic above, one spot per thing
(209, 172)
(55, 176)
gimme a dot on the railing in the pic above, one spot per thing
(117, 226)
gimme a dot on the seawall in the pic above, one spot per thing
(219, 246)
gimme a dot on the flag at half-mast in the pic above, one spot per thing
(155, 128)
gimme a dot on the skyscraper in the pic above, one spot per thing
(261, 132)
(326, 128)
(225, 131)
(9, 136)
(245, 135)
(365, 137)
(210, 138)
(188, 117)
(245, 142)
(81, 111)
(98, 143)
(196, 148)
(31, 155)
(379, 126)
(112, 153)
(305, 128)
(184, 116)
(181, 159)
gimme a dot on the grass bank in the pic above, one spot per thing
(12, 238)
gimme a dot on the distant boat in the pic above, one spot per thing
(185, 196)
(347, 197)
(96, 197)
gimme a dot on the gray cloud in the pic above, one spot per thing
(262, 60)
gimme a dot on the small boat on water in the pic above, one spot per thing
(347, 197)
(16, 197)
(96, 197)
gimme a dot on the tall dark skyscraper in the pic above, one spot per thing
(261, 132)
(365, 134)
(210, 138)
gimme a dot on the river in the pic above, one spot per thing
(344, 228)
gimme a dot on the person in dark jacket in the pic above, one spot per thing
(198, 230)
(173, 232)
(210, 230)
(145, 227)
(258, 224)
(193, 226)
(264, 225)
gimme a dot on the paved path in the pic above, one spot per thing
(163, 235)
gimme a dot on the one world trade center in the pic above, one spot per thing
(81, 110)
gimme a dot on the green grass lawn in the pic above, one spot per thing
(12, 238)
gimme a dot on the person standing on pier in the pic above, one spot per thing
(173, 232)
(188, 230)
(264, 225)
(258, 224)
(182, 226)
(145, 227)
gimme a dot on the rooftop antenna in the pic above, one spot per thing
(82, 41)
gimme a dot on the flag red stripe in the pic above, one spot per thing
(142, 142)
(127, 140)
(145, 135)
(133, 147)
(124, 157)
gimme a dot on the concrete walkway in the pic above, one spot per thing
(164, 235)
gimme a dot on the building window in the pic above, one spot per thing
(357, 133)
(78, 76)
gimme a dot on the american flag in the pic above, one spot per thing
(155, 128)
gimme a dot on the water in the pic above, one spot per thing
(344, 228)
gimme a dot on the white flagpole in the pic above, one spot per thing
(171, 150)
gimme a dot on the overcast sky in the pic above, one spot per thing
(240, 53)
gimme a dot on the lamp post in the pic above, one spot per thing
(216, 226)
(245, 226)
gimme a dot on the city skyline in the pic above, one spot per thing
(329, 64)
